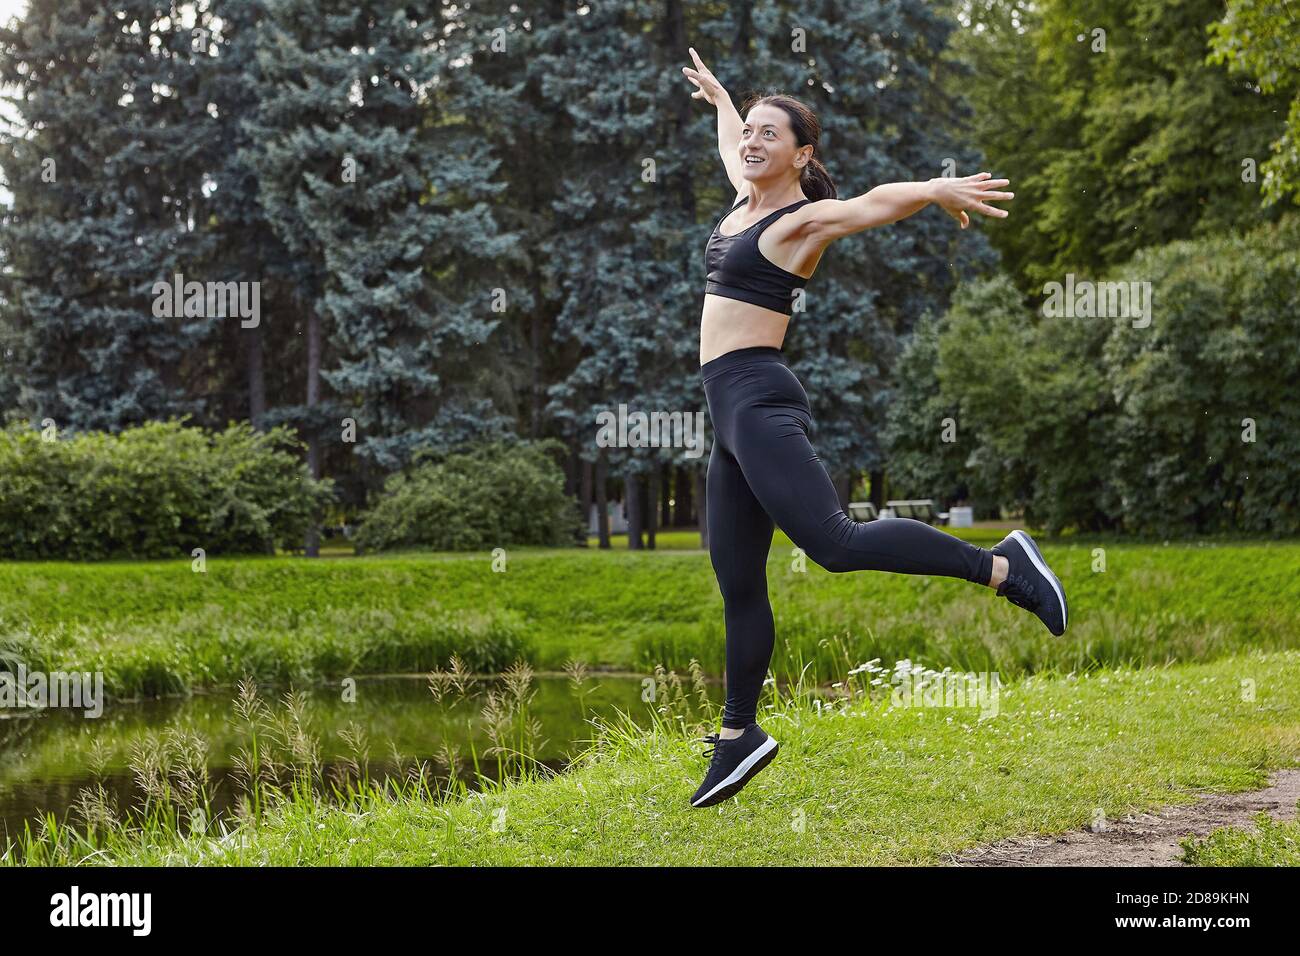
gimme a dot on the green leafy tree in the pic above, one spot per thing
(1207, 437)
(1115, 131)
(922, 464)
(1171, 422)
(1261, 39)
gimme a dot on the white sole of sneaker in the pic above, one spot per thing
(1046, 572)
(742, 768)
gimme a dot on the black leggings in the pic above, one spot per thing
(762, 470)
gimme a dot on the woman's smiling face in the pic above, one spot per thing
(768, 149)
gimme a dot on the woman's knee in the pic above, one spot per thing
(740, 590)
(838, 561)
(741, 581)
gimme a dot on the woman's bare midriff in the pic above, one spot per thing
(729, 324)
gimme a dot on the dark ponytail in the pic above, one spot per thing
(815, 180)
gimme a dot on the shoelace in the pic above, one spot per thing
(1021, 591)
(711, 739)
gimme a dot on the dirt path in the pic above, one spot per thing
(1143, 839)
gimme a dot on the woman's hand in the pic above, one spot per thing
(970, 192)
(707, 86)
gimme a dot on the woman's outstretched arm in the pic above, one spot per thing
(890, 202)
(729, 122)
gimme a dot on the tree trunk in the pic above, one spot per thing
(664, 476)
(844, 488)
(684, 512)
(312, 544)
(702, 507)
(878, 489)
(602, 504)
(536, 398)
(651, 511)
(571, 469)
(632, 502)
(256, 376)
(584, 496)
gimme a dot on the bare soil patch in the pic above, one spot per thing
(1143, 839)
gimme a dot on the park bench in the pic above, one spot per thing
(862, 511)
(922, 509)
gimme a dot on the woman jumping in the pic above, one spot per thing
(762, 470)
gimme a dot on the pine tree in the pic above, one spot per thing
(635, 194)
(245, 248)
(103, 210)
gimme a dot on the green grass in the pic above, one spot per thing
(158, 627)
(857, 783)
(1271, 843)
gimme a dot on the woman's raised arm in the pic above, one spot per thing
(729, 122)
(833, 218)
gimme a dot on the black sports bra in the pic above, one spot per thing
(738, 270)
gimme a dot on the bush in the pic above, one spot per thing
(158, 490)
(489, 496)
(1034, 410)
(1207, 436)
(920, 466)
(1093, 424)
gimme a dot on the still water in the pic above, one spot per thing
(384, 724)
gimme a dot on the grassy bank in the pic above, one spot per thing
(158, 627)
(860, 782)
(1270, 844)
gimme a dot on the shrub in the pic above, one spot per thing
(488, 496)
(1208, 431)
(157, 490)
(1183, 426)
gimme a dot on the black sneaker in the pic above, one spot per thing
(735, 762)
(1030, 582)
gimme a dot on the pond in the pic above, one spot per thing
(382, 726)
